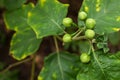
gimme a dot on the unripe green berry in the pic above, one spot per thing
(82, 15)
(90, 23)
(89, 33)
(67, 22)
(84, 58)
(67, 38)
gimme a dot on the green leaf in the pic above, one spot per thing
(7, 75)
(80, 46)
(114, 38)
(13, 4)
(106, 49)
(103, 45)
(110, 67)
(100, 45)
(46, 18)
(84, 46)
(10, 75)
(102, 42)
(106, 14)
(1, 3)
(24, 41)
(23, 44)
(59, 66)
(17, 20)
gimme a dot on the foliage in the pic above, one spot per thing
(24, 34)
(32, 23)
(9, 75)
(64, 65)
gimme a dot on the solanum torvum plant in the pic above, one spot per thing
(84, 45)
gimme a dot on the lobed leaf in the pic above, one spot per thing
(110, 66)
(59, 66)
(24, 41)
(17, 20)
(106, 14)
(46, 18)
(13, 4)
(23, 44)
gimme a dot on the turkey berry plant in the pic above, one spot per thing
(89, 39)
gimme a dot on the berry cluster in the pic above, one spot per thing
(89, 33)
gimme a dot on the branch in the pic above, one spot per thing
(15, 64)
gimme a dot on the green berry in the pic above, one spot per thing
(82, 15)
(89, 33)
(84, 58)
(67, 38)
(67, 22)
(90, 23)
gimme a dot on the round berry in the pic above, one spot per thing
(84, 58)
(89, 33)
(82, 15)
(90, 23)
(67, 38)
(67, 22)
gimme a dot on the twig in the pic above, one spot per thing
(15, 64)
(56, 44)
(33, 68)
(79, 38)
(79, 32)
(59, 38)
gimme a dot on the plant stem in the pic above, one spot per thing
(33, 68)
(75, 32)
(79, 38)
(58, 37)
(79, 32)
(15, 64)
(89, 51)
(56, 44)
